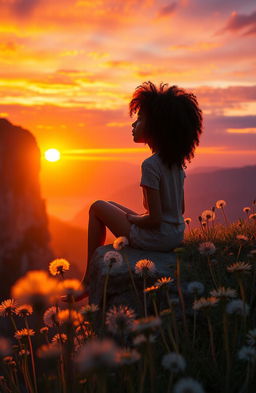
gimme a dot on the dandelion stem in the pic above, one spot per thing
(225, 218)
(144, 296)
(194, 325)
(132, 279)
(170, 382)
(211, 339)
(173, 316)
(181, 296)
(105, 295)
(226, 344)
(161, 329)
(211, 271)
(239, 251)
(32, 356)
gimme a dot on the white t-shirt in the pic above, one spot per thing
(170, 183)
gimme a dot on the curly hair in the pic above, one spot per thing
(173, 121)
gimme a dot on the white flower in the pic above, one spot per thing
(205, 303)
(237, 307)
(188, 385)
(239, 267)
(141, 339)
(146, 324)
(247, 353)
(174, 362)
(208, 215)
(145, 267)
(50, 317)
(195, 287)
(112, 258)
(120, 319)
(97, 354)
(224, 292)
(207, 248)
(220, 204)
(251, 337)
(120, 242)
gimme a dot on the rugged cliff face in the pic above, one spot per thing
(24, 234)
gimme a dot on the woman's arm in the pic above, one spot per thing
(154, 216)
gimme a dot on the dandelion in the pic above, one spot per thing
(70, 288)
(24, 352)
(220, 204)
(112, 258)
(89, 309)
(252, 216)
(222, 292)
(127, 356)
(85, 330)
(247, 353)
(44, 330)
(237, 307)
(208, 215)
(69, 316)
(146, 325)
(48, 351)
(188, 220)
(120, 319)
(24, 310)
(97, 354)
(7, 307)
(251, 337)
(50, 317)
(19, 334)
(142, 339)
(152, 289)
(196, 288)
(120, 242)
(205, 303)
(242, 238)
(59, 266)
(246, 209)
(239, 267)
(174, 362)
(145, 267)
(59, 338)
(188, 385)
(8, 359)
(164, 282)
(5, 347)
(207, 248)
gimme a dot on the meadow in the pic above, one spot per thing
(210, 348)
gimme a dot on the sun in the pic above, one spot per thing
(52, 155)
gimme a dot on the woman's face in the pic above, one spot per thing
(139, 128)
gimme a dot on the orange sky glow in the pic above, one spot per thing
(69, 68)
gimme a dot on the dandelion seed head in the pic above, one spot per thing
(188, 385)
(223, 292)
(239, 267)
(24, 310)
(89, 309)
(146, 324)
(195, 287)
(58, 266)
(120, 242)
(112, 258)
(174, 362)
(237, 307)
(24, 352)
(49, 351)
(50, 317)
(120, 319)
(141, 339)
(57, 338)
(7, 307)
(69, 316)
(19, 334)
(70, 287)
(220, 204)
(145, 267)
(207, 248)
(205, 303)
(5, 347)
(96, 354)
(246, 209)
(127, 356)
(208, 215)
(188, 220)
(251, 337)
(8, 359)
(247, 353)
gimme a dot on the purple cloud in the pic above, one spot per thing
(168, 9)
(240, 21)
(24, 7)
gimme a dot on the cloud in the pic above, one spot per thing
(168, 9)
(24, 7)
(238, 22)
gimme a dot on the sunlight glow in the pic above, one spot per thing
(52, 155)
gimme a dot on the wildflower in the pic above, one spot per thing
(24, 311)
(252, 216)
(24, 352)
(49, 351)
(207, 248)
(146, 324)
(120, 242)
(59, 266)
(242, 238)
(205, 303)
(71, 316)
(70, 287)
(239, 267)
(127, 356)
(195, 288)
(89, 309)
(165, 313)
(142, 339)
(36, 288)
(220, 204)
(164, 282)
(7, 307)
(188, 220)
(237, 307)
(120, 319)
(50, 317)
(5, 347)
(251, 337)
(174, 362)
(85, 329)
(97, 354)
(145, 267)
(58, 338)
(112, 258)
(8, 359)
(247, 353)
(152, 289)
(24, 333)
(208, 215)
(246, 209)
(188, 385)
(222, 292)
(44, 330)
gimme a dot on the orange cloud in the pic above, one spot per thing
(241, 130)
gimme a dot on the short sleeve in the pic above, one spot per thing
(150, 175)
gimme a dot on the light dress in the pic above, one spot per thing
(170, 183)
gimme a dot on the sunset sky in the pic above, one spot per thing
(68, 69)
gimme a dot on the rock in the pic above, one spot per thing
(24, 235)
(120, 289)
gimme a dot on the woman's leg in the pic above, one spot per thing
(104, 214)
(125, 209)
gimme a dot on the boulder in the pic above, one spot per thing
(120, 290)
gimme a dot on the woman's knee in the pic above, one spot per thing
(96, 204)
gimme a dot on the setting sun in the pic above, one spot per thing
(52, 155)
